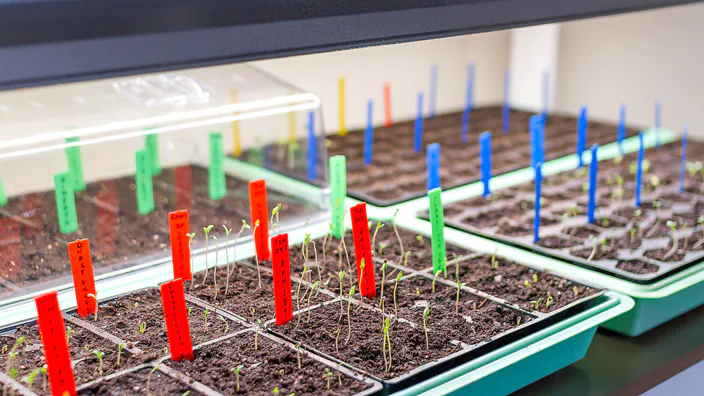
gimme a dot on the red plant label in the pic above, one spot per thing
(53, 335)
(281, 265)
(363, 250)
(83, 279)
(182, 181)
(180, 248)
(387, 105)
(259, 207)
(177, 330)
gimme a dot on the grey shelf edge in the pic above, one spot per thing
(84, 40)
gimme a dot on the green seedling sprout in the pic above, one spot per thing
(405, 258)
(494, 262)
(206, 230)
(349, 320)
(575, 290)
(344, 247)
(700, 224)
(237, 376)
(381, 249)
(313, 288)
(435, 277)
(398, 279)
(94, 297)
(384, 338)
(32, 376)
(693, 167)
(337, 339)
(227, 325)
(275, 214)
(400, 242)
(672, 225)
(379, 224)
(595, 248)
(119, 352)
(420, 240)
(526, 283)
(341, 275)
(99, 355)
(227, 257)
(548, 301)
(426, 312)
(190, 242)
(142, 327)
(536, 304)
(298, 293)
(298, 354)
(205, 316)
(69, 331)
(328, 375)
(362, 265)
(383, 279)
(149, 377)
(654, 181)
(256, 257)
(535, 278)
(632, 233)
(276, 391)
(256, 334)
(11, 356)
(43, 370)
(215, 267)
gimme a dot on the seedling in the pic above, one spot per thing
(405, 258)
(386, 340)
(700, 222)
(215, 268)
(119, 352)
(675, 241)
(426, 312)
(256, 334)
(256, 257)
(298, 292)
(149, 377)
(526, 283)
(349, 320)
(32, 376)
(275, 214)
(69, 331)
(383, 279)
(99, 355)
(313, 288)
(206, 230)
(548, 301)
(341, 275)
(575, 290)
(227, 325)
(632, 233)
(400, 242)
(227, 257)
(457, 299)
(328, 375)
(535, 278)
(276, 391)
(205, 317)
(420, 240)
(190, 242)
(595, 248)
(43, 370)
(166, 351)
(438, 272)
(94, 297)
(381, 249)
(362, 265)
(237, 376)
(379, 224)
(494, 262)
(298, 354)
(12, 354)
(536, 304)
(142, 327)
(398, 279)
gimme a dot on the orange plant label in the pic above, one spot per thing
(363, 250)
(53, 334)
(281, 266)
(180, 248)
(177, 330)
(83, 279)
(259, 208)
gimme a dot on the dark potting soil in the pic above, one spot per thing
(662, 255)
(637, 266)
(395, 176)
(82, 343)
(270, 366)
(122, 317)
(135, 383)
(363, 350)
(421, 255)
(474, 320)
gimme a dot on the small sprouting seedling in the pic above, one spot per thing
(298, 290)
(426, 312)
(256, 257)
(386, 342)
(605, 222)
(405, 258)
(420, 239)
(206, 230)
(632, 233)
(119, 352)
(349, 320)
(341, 276)
(700, 223)
(32, 376)
(94, 297)
(328, 375)
(654, 181)
(383, 280)
(672, 225)
(312, 289)
(205, 316)
(535, 278)
(227, 325)
(298, 354)
(575, 290)
(256, 334)
(536, 303)
(43, 370)
(227, 258)
(526, 283)
(275, 214)
(417, 291)
(381, 249)
(166, 351)
(237, 376)
(494, 262)
(548, 301)
(400, 241)
(142, 327)
(438, 272)
(276, 391)
(595, 248)
(149, 377)
(398, 279)
(379, 224)
(190, 310)
(99, 355)
(69, 331)
(215, 267)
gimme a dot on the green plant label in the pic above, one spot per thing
(151, 143)
(75, 165)
(3, 197)
(338, 185)
(438, 229)
(65, 203)
(143, 181)
(217, 185)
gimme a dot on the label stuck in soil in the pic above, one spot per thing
(281, 267)
(485, 153)
(65, 203)
(312, 148)
(75, 165)
(56, 353)
(151, 143)
(338, 192)
(432, 153)
(3, 197)
(343, 127)
(438, 229)
(363, 250)
(259, 209)
(176, 316)
(387, 106)
(143, 181)
(236, 144)
(180, 247)
(217, 184)
(83, 278)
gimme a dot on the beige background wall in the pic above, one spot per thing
(636, 59)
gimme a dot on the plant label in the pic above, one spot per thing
(683, 160)
(236, 143)
(184, 189)
(65, 203)
(387, 106)
(83, 279)
(259, 209)
(180, 246)
(3, 197)
(536, 215)
(621, 129)
(368, 135)
(343, 128)
(143, 182)
(485, 158)
(582, 124)
(151, 144)
(363, 250)
(546, 92)
(468, 103)
(639, 169)
(438, 230)
(338, 192)
(56, 353)
(281, 267)
(176, 317)
(312, 148)
(433, 89)
(537, 139)
(593, 168)
(506, 109)
(432, 155)
(418, 134)
(217, 183)
(75, 165)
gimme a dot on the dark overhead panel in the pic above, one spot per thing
(52, 41)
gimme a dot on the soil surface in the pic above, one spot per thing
(135, 383)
